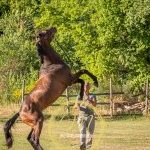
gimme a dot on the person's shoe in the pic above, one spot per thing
(82, 147)
(88, 148)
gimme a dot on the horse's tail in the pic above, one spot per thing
(7, 127)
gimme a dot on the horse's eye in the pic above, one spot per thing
(40, 34)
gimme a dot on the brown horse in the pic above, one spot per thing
(54, 78)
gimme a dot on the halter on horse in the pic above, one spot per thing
(54, 78)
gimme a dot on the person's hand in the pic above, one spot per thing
(92, 103)
(76, 110)
(75, 106)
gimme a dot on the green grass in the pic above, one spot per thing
(118, 134)
(130, 134)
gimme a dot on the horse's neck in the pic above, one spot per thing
(51, 56)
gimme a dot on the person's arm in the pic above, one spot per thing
(93, 101)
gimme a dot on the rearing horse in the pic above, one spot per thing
(54, 78)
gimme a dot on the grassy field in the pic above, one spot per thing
(118, 134)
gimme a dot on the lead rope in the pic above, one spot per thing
(103, 124)
(100, 118)
(94, 108)
(66, 54)
(68, 58)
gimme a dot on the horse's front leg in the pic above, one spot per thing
(77, 75)
(81, 81)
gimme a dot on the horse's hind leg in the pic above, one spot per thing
(37, 132)
(34, 135)
(34, 119)
(30, 138)
(81, 72)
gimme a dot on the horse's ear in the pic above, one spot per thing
(52, 29)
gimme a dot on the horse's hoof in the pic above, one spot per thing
(9, 143)
(96, 83)
(40, 147)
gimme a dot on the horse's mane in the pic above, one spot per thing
(40, 53)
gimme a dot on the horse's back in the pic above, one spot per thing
(50, 85)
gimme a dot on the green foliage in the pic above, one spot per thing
(110, 38)
(18, 55)
(125, 40)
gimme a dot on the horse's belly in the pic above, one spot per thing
(47, 91)
(53, 93)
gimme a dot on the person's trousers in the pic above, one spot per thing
(86, 125)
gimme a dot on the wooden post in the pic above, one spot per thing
(23, 91)
(121, 89)
(146, 97)
(111, 98)
(67, 96)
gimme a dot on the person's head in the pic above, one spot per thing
(86, 86)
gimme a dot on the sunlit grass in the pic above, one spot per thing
(59, 133)
(126, 134)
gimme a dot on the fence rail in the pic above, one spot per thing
(97, 94)
(110, 94)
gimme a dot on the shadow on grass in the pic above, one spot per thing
(60, 117)
(126, 117)
(71, 117)
(105, 117)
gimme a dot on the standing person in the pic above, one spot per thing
(86, 119)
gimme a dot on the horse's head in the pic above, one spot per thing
(45, 37)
